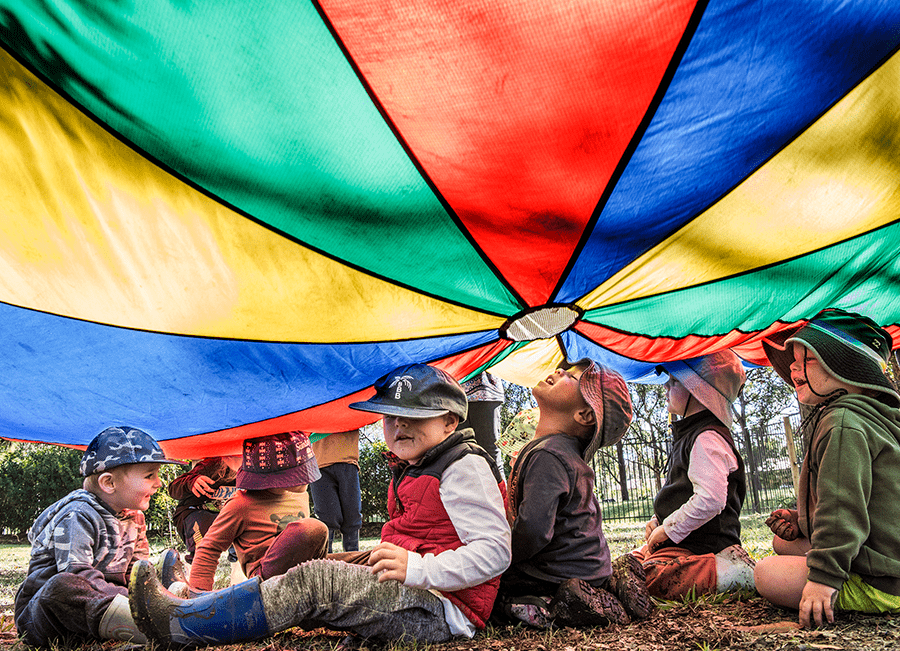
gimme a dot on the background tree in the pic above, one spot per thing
(648, 437)
(764, 398)
(33, 476)
(517, 398)
(374, 474)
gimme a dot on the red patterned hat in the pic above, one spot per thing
(606, 393)
(277, 461)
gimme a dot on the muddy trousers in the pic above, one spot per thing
(67, 607)
(673, 571)
(349, 597)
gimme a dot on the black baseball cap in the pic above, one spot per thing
(416, 391)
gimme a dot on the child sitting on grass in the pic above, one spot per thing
(561, 567)
(434, 574)
(693, 539)
(840, 550)
(84, 545)
(267, 520)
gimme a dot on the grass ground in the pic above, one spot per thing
(741, 622)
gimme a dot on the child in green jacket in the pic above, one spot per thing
(840, 550)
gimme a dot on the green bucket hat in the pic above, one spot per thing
(849, 346)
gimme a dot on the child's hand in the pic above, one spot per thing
(783, 524)
(652, 523)
(657, 539)
(817, 600)
(389, 562)
(202, 486)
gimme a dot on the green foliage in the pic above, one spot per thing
(517, 398)
(374, 479)
(162, 507)
(765, 396)
(33, 476)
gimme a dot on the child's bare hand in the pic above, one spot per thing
(389, 562)
(817, 604)
(202, 486)
(657, 539)
(783, 523)
(652, 523)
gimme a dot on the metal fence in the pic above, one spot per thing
(630, 474)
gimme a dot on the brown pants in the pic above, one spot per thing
(673, 571)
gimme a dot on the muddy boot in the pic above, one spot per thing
(531, 611)
(734, 570)
(629, 583)
(226, 616)
(117, 623)
(577, 604)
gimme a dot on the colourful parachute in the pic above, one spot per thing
(223, 219)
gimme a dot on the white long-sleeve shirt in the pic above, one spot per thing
(472, 499)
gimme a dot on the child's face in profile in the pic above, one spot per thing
(411, 438)
(560, 390)
(134, 486)
(677, 397)
(810, 378)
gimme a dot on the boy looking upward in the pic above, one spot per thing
(841, 548)
(84, 545)
(433, 575)
(561, 563)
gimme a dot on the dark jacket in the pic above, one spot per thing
(180, 488)
(556, 520)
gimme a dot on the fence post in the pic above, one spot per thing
(792, 454)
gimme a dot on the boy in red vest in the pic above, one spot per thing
(433, 576)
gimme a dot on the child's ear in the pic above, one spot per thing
(450, 422)
(107, 483)
(586, 417)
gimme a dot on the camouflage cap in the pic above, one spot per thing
(117, 446)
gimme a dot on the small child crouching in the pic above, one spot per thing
(433, 576)
(267, 520)
(84, 545)
(840, 550)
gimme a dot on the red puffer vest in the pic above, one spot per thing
(420, 523)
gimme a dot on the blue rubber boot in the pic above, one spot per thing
(226, 616)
